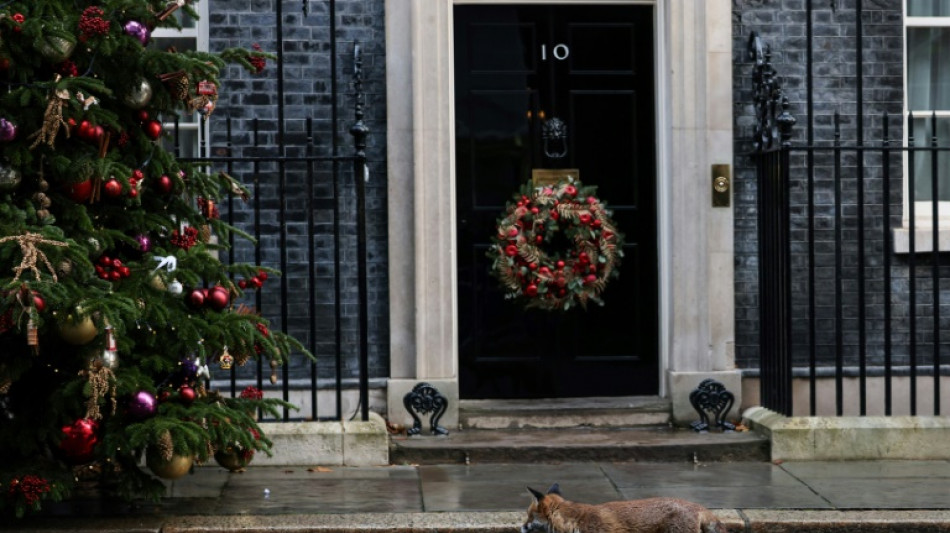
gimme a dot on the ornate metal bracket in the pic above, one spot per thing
(359, 130)
(554, 132)
(425, 399)
(712, 397)
(772, 125)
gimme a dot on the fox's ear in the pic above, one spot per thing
(555, 489)
(537, 495)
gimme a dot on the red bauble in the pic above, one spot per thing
(187, 394)
(531, 290)
(38, 302)
(142, 115)
(86, 130)
(218, 298)
(97, 133)
(112, 188)
(79, 441)
(79, 192)
(164, 184)
(242, 284)
(196, 298)
(153, 129)
(256, 282)
(262, 275)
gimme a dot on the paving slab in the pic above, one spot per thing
(865, 496)
(742, 474)
(504, 487)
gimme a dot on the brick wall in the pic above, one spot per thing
(307, 93)
(782, 24)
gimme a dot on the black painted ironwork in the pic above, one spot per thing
(282, 156)
(360, 131)
(712, 398)
(773, 121)
(870, 285)
(425, 399)
(771, 142)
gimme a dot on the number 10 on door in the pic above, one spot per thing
(559, 52)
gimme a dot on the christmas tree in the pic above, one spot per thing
(113, 302)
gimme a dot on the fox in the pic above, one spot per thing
(551, 513)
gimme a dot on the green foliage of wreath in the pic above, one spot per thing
(530, 265)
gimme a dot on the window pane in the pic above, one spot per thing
(928, 8)
(180, 43)
(188, 142)
(928, 68)
(923, 160)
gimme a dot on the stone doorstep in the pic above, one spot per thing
(626, 411)
(802, 438)
(736, 520)
(346, 443)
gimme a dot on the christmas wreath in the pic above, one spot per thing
(556, 247)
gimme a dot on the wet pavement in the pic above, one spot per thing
(501, 487)
(481, 498)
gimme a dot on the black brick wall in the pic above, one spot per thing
(782, 25)
(307, 93)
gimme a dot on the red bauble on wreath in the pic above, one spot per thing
(523, 258)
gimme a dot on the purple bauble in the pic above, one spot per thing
(145, 243)
(138, 30)
(7, 130)
(188, 369)
(143, 404)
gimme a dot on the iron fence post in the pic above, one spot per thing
(359, 131)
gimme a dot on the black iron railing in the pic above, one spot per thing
(273, 169)
(839, 299)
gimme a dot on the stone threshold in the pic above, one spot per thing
(846, 438)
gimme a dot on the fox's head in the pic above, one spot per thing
(539, 512)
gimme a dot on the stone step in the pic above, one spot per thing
(606, 412)
(580, 444)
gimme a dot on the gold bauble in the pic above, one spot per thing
(230, 459)
(178, 466)
(56, 49)
(157, 283)
(77, 331)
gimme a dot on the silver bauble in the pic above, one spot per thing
(110, 359)
(175, 287)
(56, 49)
(10, 178)
(139, 95)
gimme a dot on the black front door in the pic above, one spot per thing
(591, 67)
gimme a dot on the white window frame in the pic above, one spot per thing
(199, 33)
(923, 210)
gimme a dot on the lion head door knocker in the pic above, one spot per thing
(554, 135)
